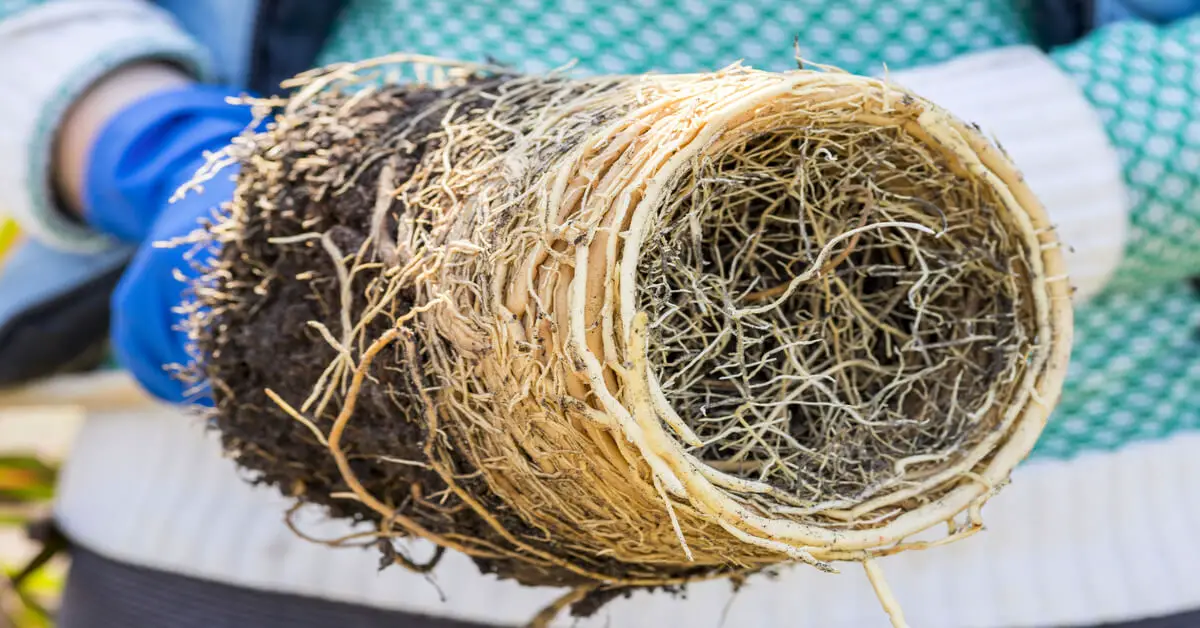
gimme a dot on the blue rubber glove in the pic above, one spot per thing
(140, 159)
(151, 148)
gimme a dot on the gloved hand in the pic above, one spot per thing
(146, 153)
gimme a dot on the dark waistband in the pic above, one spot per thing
(103, 593)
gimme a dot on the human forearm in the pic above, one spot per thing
(92, 111)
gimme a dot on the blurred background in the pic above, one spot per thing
(33, 443)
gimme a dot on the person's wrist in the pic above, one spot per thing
(84, 121)
(148, 149)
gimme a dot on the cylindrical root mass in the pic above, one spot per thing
(631, 331)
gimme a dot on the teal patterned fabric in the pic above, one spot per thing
(680, 35)
(12, 7)
(1135, 371)
(1145, 82)
(1134, 374)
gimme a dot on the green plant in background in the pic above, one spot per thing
(24, 482)
(28, 591)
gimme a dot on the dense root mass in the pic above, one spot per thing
(890, 355)
(631, 331)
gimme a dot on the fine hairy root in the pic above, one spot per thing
(629, 331)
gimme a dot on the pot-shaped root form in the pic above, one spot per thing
(634, 330)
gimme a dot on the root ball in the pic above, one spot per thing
(630, 331)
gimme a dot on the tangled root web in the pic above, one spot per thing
(629, 331)
(841, 385)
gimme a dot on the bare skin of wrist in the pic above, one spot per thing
(82, 124)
